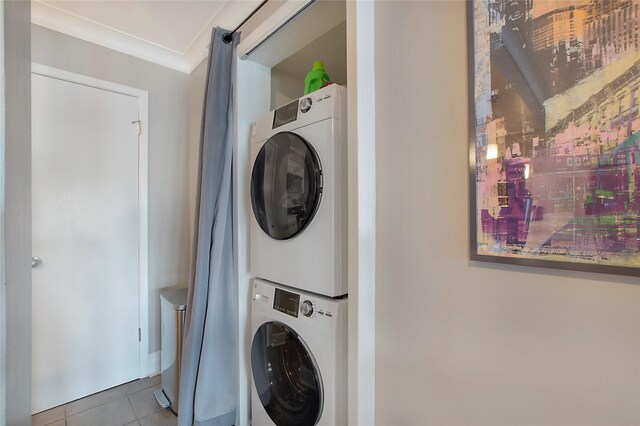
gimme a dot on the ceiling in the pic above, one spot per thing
(172, 33)
(171, 24)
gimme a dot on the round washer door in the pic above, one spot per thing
(286, 376)
(286, 185)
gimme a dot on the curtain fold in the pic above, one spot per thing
(209, 372)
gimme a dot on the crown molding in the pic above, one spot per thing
(49, 16)
(59, 20)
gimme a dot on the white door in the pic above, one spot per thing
(85, 230)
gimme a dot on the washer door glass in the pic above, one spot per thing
(286, 376)
(286, 185)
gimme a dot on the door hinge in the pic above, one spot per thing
(138, 124)
(139, 335)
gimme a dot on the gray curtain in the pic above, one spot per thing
(209, 376)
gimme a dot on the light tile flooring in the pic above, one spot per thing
(130, 404)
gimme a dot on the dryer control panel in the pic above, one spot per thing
(289, 113)
(317, 106)
(286, 114)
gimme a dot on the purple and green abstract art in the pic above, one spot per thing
(555, 133)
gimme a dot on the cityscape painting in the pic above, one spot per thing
(555, 133)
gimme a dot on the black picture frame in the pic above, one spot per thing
(596, 233)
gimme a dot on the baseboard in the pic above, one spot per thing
(154, 363)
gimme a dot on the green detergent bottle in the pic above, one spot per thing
(315, 78)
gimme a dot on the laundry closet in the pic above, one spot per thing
(273, 61)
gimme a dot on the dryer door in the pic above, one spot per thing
(286, 185)
(286, 376)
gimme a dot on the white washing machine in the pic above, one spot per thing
(298, 230)
(298, 357)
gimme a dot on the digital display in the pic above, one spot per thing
(285, 114)
(288, 303)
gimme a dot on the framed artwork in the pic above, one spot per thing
(555, 133)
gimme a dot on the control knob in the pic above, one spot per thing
(305, 105)
(307, 308)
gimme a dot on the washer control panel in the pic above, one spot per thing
(286, 302)
(294, 304)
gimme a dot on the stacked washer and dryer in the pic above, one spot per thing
(298, 254)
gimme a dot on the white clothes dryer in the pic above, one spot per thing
(298, 232)
(298, 358)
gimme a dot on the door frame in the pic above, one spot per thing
(143, 184)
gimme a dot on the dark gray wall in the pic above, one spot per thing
(168, 149)
(17, 220)
(469, 343)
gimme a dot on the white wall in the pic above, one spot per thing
(3, 283)
(168, 150)
(460, 342)
(252, 100)
(284, 88)
(361, 155)
(16, 221)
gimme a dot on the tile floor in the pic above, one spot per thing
(131, 404)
